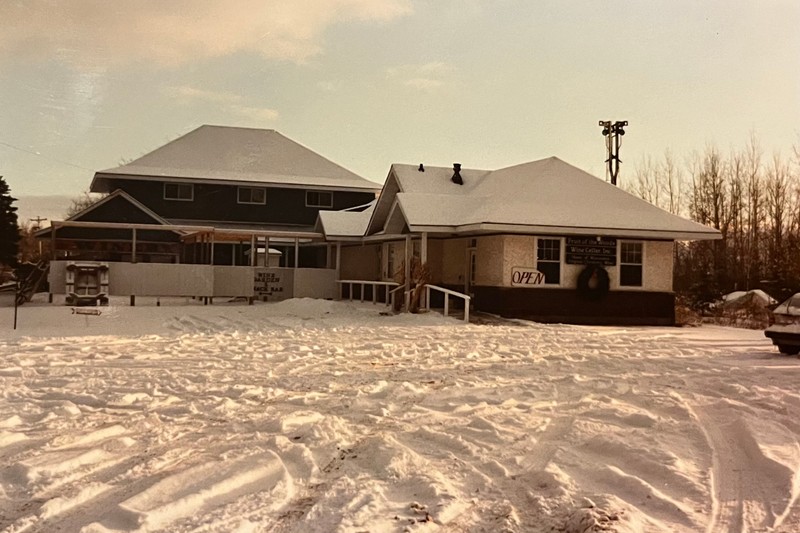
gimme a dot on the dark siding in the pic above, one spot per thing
(219, 202)
(567, 306)
(120, 210)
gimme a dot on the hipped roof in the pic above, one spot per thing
(236, 155)
(547, 196)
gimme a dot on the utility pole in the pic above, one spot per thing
(612, 132)
(38, 220)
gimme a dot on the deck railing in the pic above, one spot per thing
(447, 293)
(362, 283)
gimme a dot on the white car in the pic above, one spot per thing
(785, 332)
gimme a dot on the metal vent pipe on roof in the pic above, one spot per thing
(457, 174)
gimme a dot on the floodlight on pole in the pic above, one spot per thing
(612, 131)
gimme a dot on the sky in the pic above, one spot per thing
(87, 85)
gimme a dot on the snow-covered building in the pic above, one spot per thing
(542, 240)
(216, 184)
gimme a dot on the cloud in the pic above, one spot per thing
(423, 83)
(102, 33)
(187, 93)
(425, 76)
(328, 86)
(260, 113)
(227, 101)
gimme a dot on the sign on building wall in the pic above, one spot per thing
(591, 251)
(271, 284)
(526, 277)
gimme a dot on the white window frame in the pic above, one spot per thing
(328, 206)
(560, 259)
(251, 189)
(388, 261)
(620, 264)
(178, 184)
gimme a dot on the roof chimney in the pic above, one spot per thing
(457, 174)
(421, 168)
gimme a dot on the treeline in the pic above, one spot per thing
(752, 198)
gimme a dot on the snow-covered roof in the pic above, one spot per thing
(755, 293)
(345, 223)
(547, 196)
(237, 155)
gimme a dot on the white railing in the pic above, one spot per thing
(447, 293)
(363, 283)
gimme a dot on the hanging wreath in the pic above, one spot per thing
(593, 282)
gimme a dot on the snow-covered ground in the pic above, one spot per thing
(328, 416)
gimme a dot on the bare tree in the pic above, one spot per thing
(79, 203)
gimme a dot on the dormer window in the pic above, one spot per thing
(183, 192)
(319, 199)
(252, 195)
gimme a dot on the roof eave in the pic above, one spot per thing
(109, 175)
(569, 230)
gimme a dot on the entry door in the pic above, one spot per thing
(472, 263)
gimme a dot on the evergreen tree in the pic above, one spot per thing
(9, 229)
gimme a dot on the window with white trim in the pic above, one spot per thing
(319, 199)
(389, 261)
(252, 195)
(548, 260)
(630, 264)
(183, 192)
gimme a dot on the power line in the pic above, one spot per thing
(37, 154)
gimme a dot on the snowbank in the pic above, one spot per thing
(311, 415)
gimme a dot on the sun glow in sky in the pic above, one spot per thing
(87, 84)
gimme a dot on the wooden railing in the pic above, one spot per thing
(447, 293)
(363, 283)
(391, 293)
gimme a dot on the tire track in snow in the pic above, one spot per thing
(749, 491)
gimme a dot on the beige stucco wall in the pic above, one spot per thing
(435, 247)
(490, 252)
(497, 255)
(360, 262)
(658, 258)
(453, 257)
(520, 251)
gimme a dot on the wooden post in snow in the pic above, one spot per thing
(133, 247)
(408, 272)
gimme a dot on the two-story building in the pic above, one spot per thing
(214, 190)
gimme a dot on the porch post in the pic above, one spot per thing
(253, 250)
(211, 254)
(52, 258)
(52, 243)
(328, 248)
(338, 260)
(133, 247)
(266, 251)
(296, 252)
(408, 271)
(338, 274)
(424, 260)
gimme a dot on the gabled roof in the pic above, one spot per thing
(226, 154)
(547, 196)
(346, 223)
(147, 216)
(119, 193)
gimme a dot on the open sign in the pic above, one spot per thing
(526, 277)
